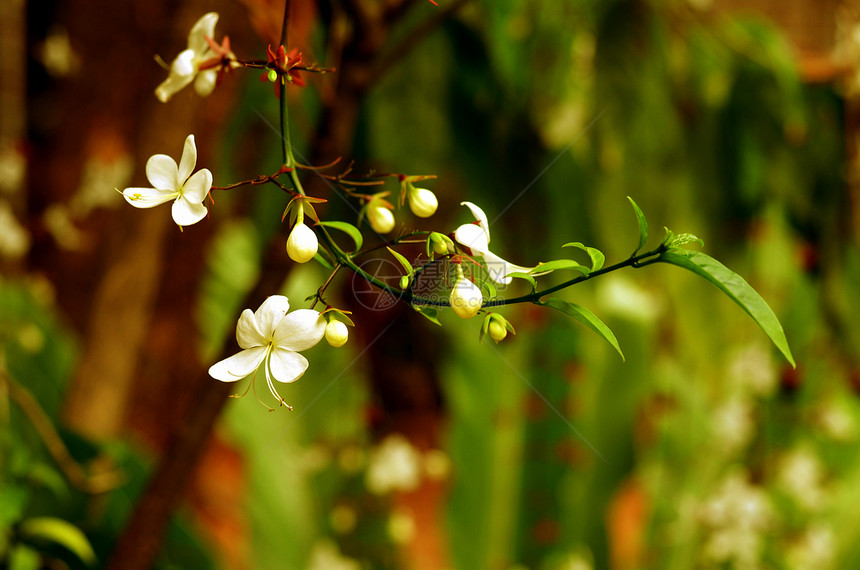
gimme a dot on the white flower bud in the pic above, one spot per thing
(422, 202)
(302, 244)
(381, 219)
(336, 333)
(465, 297)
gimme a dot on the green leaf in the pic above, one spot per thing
(429, 313)
(586, 317)
(643, 225)
(491, 289)
(347, 228)
(684, 239)
(560, 264)
(407, 267)
(597, 257)
(736, 288)
(323, 261)
(526, 276)
(60, 532)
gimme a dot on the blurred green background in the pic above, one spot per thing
(415, 446)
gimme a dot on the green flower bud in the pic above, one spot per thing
(381, 218)
(404, 282)
(273, 75)
(422, 202)
(497, 330)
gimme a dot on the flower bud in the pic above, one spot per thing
(422, 202)
(336, 333)
(273, 75)
(497, 330)
(466, 298)
(438, 243)
(302, 244)
(404, 282)
(381, 218)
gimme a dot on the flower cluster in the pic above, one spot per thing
(273, 337)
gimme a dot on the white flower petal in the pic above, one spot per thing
(286, 365)
(205, 82)
(238, 366)
(480, 216)
(171, 86)
(161, 171)
(197, 187)
(270, 314)
(183, 66)
(248, 334)
(300, 330)
(205, 26)
(499, 269)
(473, 237)
(147, 197)
(188, 160)
(186, 213)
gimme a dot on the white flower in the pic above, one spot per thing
(466, 298)
(394, 466)
(477, 239)
(174, 183)
(273, 338)
(186, 67)
(302, 244)
(422, 202)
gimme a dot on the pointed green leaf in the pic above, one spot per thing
(586, 317)
(643, 225)
(404, 263)
(59, 532)
(429, 313)
(526, 276)
(348, 229)
(736, 288)
(597, 257)
(560, 264)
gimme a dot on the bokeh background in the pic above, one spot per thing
(414, 446)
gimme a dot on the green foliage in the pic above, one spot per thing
(585, 317)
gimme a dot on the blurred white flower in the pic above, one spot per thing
(836, 421)
(14, 238)
(273, 338)
(800, 473)
(732, 425)
(753, 368)
(395, 465)
(816, 548)
(326, 556)
(171, 182)
(190, 66)
(737, 515)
